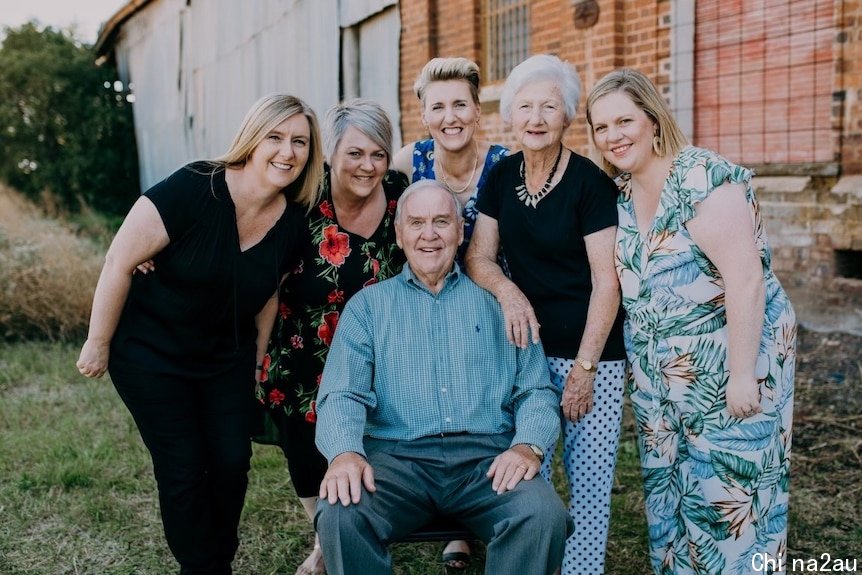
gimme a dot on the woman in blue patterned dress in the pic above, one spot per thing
(710, 334)
(350, 243)
(449, 91)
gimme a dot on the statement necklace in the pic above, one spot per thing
(472, 173)
(521, 189)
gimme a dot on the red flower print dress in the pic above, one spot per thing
(334, 265)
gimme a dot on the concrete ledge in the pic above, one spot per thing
(782, 184)
(849, 186)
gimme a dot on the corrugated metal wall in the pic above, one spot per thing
(196, 67)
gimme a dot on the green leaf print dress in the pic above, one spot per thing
(716, 486)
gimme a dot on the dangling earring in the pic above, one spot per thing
(658, 146)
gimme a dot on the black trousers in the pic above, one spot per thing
(197, 432)
(304, 462)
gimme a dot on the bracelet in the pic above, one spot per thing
(259, 366)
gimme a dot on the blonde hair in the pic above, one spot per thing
(537, 69)
(263, 117)
(641, 91)
(442, 69)
(367, 116)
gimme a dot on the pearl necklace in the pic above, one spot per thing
(472, 173)
(524, 195)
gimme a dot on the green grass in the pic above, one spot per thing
(77, 494)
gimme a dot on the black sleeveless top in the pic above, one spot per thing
(194, 317)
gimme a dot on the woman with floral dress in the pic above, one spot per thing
(350, 244)
(710, 335)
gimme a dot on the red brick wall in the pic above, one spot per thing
(790, 88)
(847, 114)
(789, 94)
(418, 45)
(764, 80)
(628, 33)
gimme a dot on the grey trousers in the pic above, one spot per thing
(524, 529)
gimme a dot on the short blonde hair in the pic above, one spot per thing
(537, 69)
(645, 96)
(442, 69)
(263, 117)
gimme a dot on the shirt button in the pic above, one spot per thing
(443, 389)
(448, 420)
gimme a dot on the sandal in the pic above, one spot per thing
(455, 562)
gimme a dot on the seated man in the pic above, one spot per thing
(426, 409)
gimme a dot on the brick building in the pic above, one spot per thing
(775, 85)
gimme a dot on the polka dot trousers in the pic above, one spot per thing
(589, 457)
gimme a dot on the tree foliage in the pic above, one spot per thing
(64, 129)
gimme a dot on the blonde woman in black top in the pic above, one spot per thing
(182, 344)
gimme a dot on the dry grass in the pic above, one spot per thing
(47, 273)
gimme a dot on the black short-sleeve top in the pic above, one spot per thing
(545, 248)
(194, 316)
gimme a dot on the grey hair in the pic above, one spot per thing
(536, 69)
(421, 185)
(365, 115)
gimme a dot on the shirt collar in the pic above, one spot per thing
(451, 278)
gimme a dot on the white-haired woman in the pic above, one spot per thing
(181, 344)
(554, 214)
(350, 243)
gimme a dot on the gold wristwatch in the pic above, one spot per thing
(586, 364)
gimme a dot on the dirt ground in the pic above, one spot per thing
(829, 370)
(827, 426)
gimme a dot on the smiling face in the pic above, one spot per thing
(539, 115)
(449, 112)
(623, 132)
(281, 156)
(429, 230)
(358, 164)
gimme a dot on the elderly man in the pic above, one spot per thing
(426, 409)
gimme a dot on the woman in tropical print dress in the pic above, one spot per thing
(710, 334)
(350, 244)
(448, 89)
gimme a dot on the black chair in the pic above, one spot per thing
(441, 528)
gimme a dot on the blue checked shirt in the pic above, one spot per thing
(406, 363)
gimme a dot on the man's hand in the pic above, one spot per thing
(510, 467)
(577, 400)
(345, 477)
